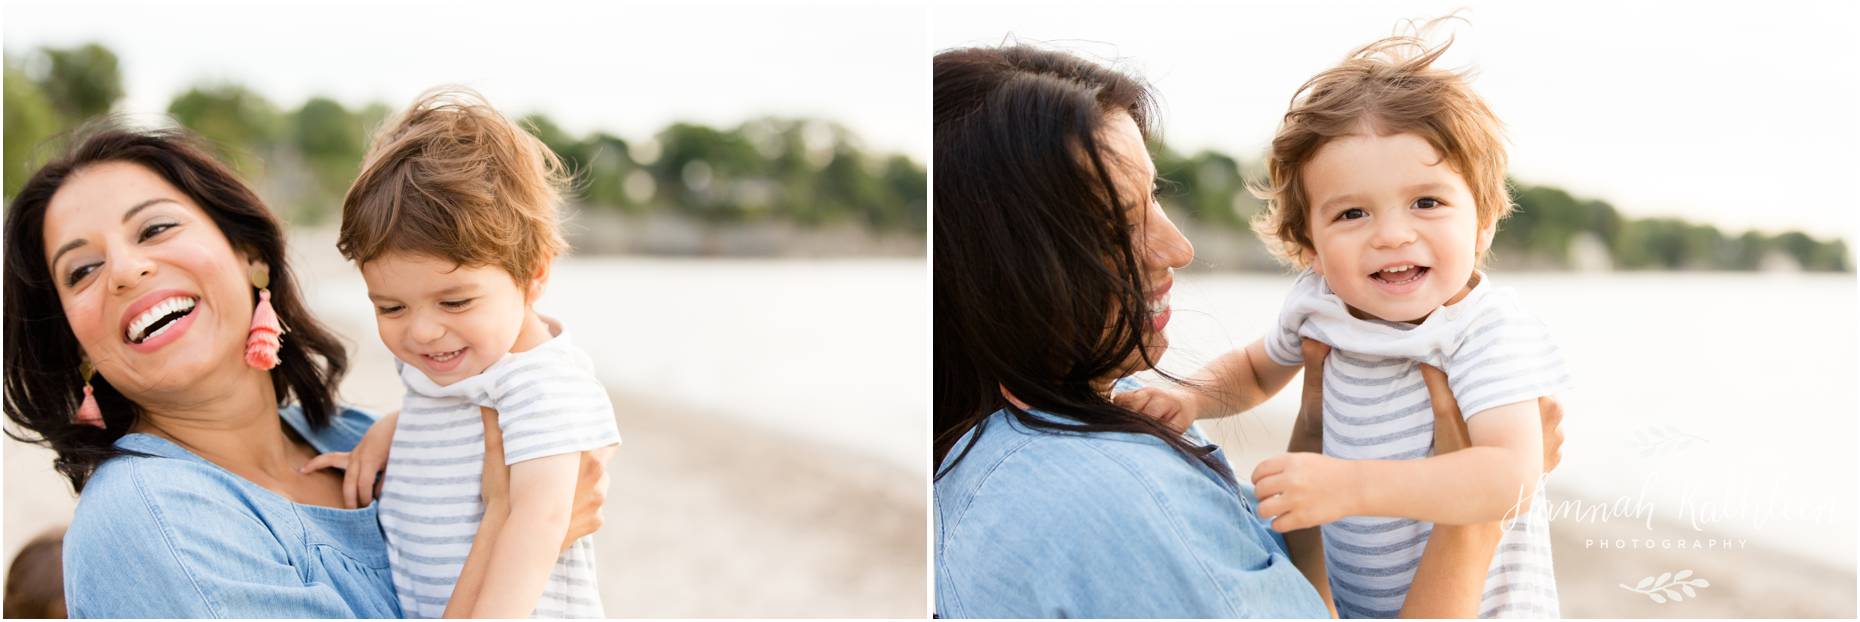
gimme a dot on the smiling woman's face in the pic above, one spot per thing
(155, 294)
(1159, 246)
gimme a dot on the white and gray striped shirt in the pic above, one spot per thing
(1376, 407)
(548, 403)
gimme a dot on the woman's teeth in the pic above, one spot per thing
(1159, 305)
(178, 306)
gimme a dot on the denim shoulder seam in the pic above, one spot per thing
(955, 597)
(942, 536)
(982, 481)
(303, 539)
(161, 524)
(944, 528)
(1175, 525)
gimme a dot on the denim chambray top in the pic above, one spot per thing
(1046, 524)
(176, 536)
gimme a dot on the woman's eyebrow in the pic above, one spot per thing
(68, 247)
(79, 243)
(145, 205)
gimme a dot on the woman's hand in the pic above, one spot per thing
(1552, 413)
(590, 494)
(495, 485)
(1300, 490)
(361, 467)
(590, 485)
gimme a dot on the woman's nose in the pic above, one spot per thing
(1167, 247)
(128, 269)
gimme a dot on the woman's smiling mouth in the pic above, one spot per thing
(158, 318)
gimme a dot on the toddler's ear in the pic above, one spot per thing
(1485, 238)
(1310, 258)
(537, 282)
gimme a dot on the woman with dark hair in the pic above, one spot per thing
(146, 287)
(1052, 263)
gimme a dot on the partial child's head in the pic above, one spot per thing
(1388, 178)
(35, 582)
(453, 223)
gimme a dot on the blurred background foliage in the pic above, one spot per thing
(802, 172)
(809, 173)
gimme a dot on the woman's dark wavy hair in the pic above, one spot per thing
(43, 385)
(1032, 246)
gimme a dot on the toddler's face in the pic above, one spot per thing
(449, 321)
(1395, 228)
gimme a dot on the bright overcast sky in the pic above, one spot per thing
(624, 68)
(1742, 117)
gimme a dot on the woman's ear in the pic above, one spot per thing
(255, 268)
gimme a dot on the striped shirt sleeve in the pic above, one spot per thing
(1505, 356)
(552, 406)
(1283, 345)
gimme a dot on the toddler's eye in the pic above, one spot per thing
(1352, 214)
(1427, 203)
(456, 304)
(388, 309)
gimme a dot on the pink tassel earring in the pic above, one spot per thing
(267, 335)
(87, 412)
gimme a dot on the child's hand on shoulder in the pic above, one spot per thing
(1174, 406)
(361, 467)
(1301, 490)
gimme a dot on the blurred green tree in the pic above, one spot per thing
(241, 123)
(329, 138)
(82, 82)
(30, 120)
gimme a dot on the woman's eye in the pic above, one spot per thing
(1427, 203)
(1352, 214)
(78, 274)
(154, 230)
(455, 304)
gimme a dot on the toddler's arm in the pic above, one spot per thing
(526, 546)
(495, 489)
(1234, 383)
(1494, 479)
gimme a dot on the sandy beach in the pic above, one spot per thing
(707, 517)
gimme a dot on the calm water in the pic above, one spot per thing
(1716, 400)
(834, 351)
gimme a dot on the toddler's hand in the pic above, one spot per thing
(362, 466)
(1300, 490)
(1175, 407)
